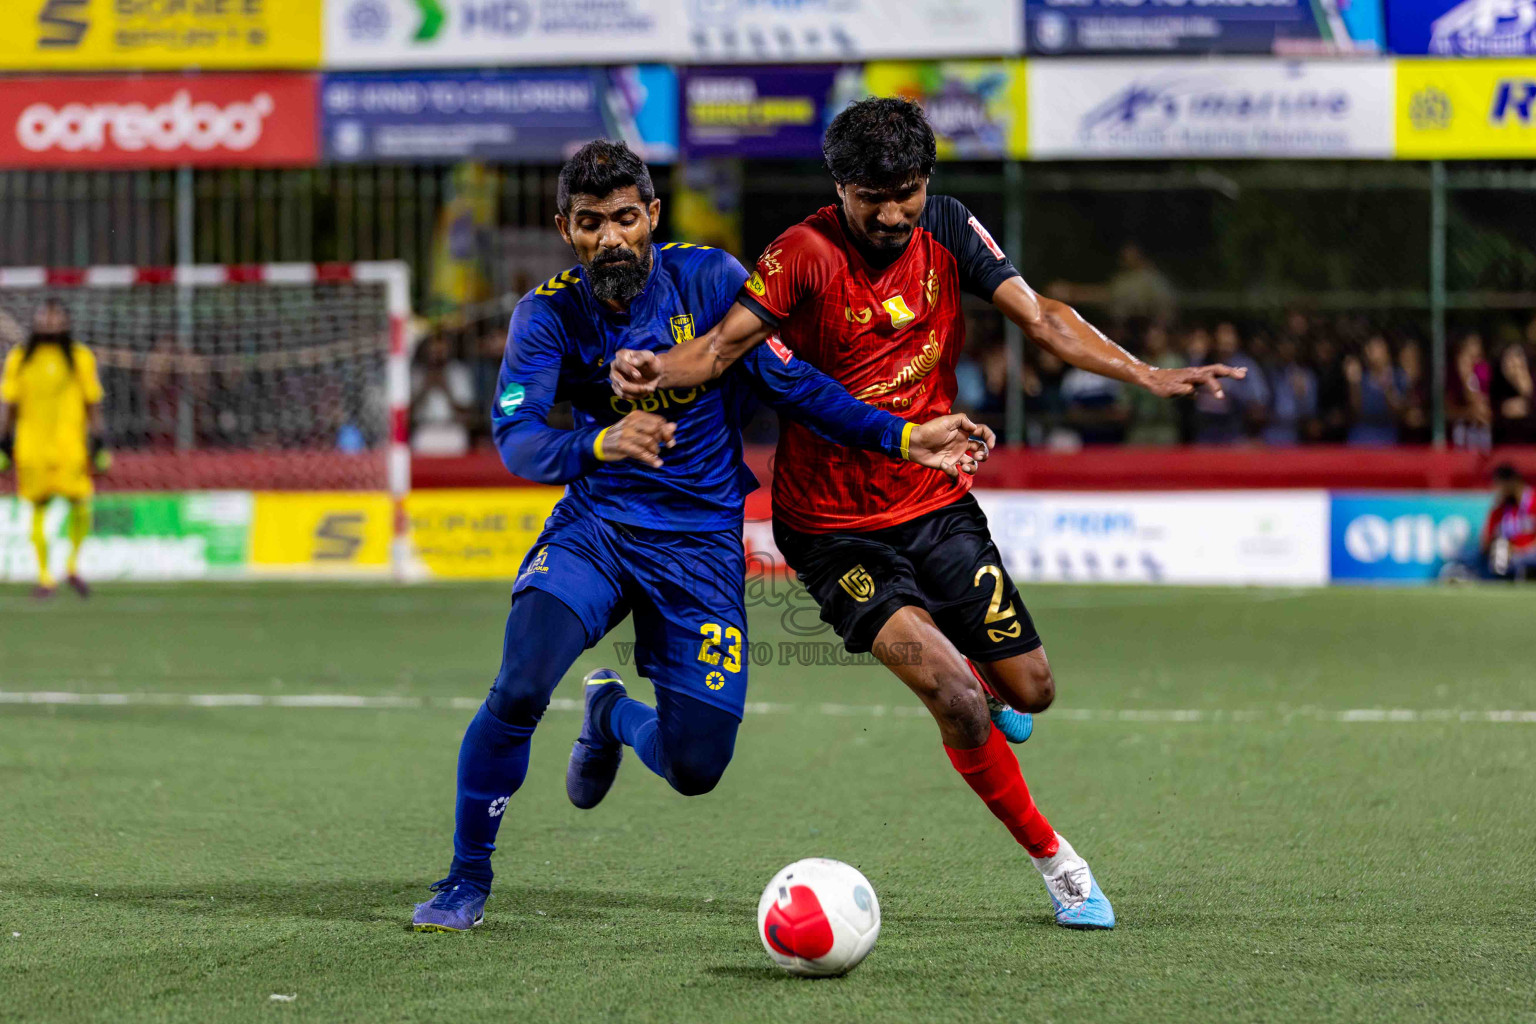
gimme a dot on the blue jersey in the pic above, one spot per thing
(559, 347)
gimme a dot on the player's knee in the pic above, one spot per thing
(959, 704)
(694, 776)
(1039, 690)
(517, 705)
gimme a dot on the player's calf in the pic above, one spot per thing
(1023, 681)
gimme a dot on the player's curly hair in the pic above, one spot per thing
(598, 168)
(881, 142)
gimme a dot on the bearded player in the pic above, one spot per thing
(50, 426)
(650, 524)
(868, 290)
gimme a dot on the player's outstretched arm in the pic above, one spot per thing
(635, 373)
(1060, 329)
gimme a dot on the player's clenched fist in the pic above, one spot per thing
(640, 436)
(952, 444)
(634, 372)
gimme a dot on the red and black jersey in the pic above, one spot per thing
(1514, 521)
(891, 336)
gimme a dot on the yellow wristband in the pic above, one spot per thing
(906, 442)
(597, 445)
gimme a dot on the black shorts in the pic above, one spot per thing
(943, 561)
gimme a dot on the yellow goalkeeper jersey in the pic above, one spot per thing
(51, 401)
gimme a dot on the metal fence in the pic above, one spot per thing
(1427, 250)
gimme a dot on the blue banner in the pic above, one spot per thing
(1402, 538)
(535, 115)
(767, 112)
(1471, 28)
(1296, 27)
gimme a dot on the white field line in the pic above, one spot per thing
(70, 698)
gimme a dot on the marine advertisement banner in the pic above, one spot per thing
(1235, 107)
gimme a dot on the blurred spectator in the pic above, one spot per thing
(1156, 420)
(1095, 407)
(1514, 405)
(160, 385)
(1293, 398)
(442, 401)
(1376, 389)
(1332, 391)
(1241, 410)
(1413, 424)
(1136, 289)
(489, 349)
(1043, 400)
(1508, 540)
(1467, 408)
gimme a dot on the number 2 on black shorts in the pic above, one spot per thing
(996, 612)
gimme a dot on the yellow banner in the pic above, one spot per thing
(321, 532)
(77, 35)
(977, 107)
(1465, 108)
(479, 534)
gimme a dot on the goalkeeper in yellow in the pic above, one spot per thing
(50, 427)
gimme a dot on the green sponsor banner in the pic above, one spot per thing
(135, 536)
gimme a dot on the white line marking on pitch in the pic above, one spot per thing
(71, 698)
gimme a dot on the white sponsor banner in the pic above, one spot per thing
(501, 33)
(1209, 537)
(459, 33)
(716, 31)
(1237, 107)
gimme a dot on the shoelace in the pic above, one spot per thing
(451, 894)
(1074, 884)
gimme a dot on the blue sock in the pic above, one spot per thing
(543, 638)
(634, 724)
(493, 761)
(685, 741)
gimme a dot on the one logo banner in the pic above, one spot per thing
(157, 120)
(55, 35)
(1216, 26)
(1402, 537)
(768, 112)
(445, 33)
(1471, 28)
(1238, 107)
(507, 115)
(1466, 108)
(977, 107)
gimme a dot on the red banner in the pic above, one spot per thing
(158, 120)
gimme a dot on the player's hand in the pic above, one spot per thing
(634, 372)
(1175, 383)
(952, 444)
(640, 436)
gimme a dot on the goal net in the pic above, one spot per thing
(274, 377)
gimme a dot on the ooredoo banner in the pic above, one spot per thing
(1238, 107)
(157, 120)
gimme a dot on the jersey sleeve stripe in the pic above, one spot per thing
(761, 311)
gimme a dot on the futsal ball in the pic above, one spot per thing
(818, 918)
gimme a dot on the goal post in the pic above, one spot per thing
(254, 377)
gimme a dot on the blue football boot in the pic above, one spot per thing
(458, 906)
(1017, 726)
(1078, 900)
(595, 757)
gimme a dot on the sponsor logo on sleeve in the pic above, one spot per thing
(986, 237)
(780, 349)
(756, 286)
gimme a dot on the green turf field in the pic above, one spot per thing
(1270, 857)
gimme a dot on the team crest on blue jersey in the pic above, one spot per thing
(682, 328)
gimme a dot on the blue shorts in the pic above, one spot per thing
(685, 591)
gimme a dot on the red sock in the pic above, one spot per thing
(993, 772)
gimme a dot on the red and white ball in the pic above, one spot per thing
(818, 917)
